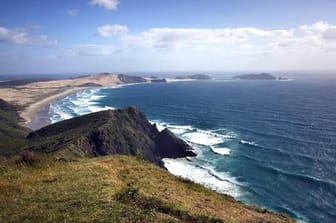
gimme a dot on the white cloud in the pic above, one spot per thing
(324, 29)
(316, 27)
(90, 50)
(179, 38)
(317, 39)
(72, 12)
(107, 4)
(22, 37)
(112, 30)
(330, 33)
(305, 47)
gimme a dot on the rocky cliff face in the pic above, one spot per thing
(125, 131)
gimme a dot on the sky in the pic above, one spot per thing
(83, 36)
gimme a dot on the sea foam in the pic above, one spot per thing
(221, 151)
(222, 183)
(202, 138)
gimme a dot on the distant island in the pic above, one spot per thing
(261, 76)
(194, 77)
(283, 79)
(155, 79)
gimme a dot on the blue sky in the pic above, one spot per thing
(46, 36)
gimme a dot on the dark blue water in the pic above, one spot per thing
(268, 143)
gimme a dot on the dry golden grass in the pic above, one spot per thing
(89, 190)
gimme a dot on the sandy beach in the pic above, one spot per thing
(30, 111)
(36, 96)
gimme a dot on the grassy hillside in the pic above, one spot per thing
(113, 189)
(122, 131)
(12, 135)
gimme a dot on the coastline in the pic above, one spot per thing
(29, 113)
(208, 177)
(34, 110)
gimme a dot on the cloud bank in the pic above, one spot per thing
(116, 47)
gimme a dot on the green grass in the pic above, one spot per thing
(112, 189)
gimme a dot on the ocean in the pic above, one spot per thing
(266, 143)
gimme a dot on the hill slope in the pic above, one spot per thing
(114, 189)
(12, 135)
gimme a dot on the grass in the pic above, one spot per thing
(113, 189)
(130, 195)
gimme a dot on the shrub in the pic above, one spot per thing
(128, 193)
(28, 158)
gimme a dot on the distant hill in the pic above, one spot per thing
(125, 131)
(20, 82)
(261, 76)
(195, 77)
(12, 135)
(103, 79)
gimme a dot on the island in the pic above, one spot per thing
(157, 80)
(261, 76)
(194, 77)
(283, 79)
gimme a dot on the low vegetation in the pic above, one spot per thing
(111, 189)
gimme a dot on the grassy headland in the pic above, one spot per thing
(113, 189)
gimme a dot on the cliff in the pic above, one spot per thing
(124, 131)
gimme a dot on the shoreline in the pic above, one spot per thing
(29, 113)
(33, 114)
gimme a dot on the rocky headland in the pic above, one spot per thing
(123, 131)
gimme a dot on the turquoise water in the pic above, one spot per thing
(269, 143)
